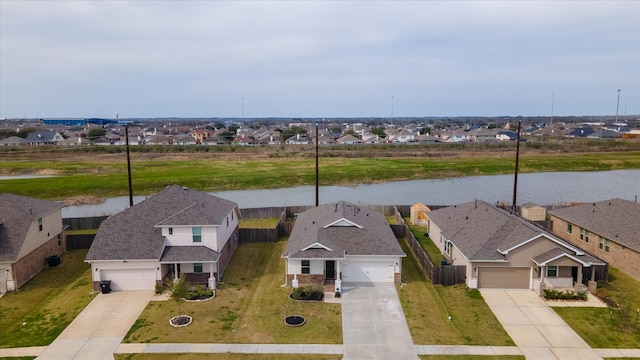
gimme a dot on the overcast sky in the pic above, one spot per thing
(318, 58)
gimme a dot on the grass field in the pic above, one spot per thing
(249, 307)
(100, 175)
(37, 313)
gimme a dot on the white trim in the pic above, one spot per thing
(544, 263)
(313, 246)
(342, 220)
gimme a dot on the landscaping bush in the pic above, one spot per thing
(313, 292)
(199, 293)
(551, 294)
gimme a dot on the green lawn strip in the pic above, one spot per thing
(427, 309)
(107, 177)
(249, 307)
(425, 242)
(609, 327)
(259, 223)
(37, 313)
(19, 358)
(82, 232)
(226, 356)
(472, 357)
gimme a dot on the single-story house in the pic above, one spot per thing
(502, 250)
(177, 231)
(345, 242)
(609, 229)
(31, 232)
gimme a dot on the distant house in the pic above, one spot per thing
(31, 232)
(342, 241)
(44, 137)
(177, 231)
(348, 140)
(609, 229)
(14, 141)
(502, 250)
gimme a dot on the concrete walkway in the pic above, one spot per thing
(373, 323)
(536, 329)
(98, 330)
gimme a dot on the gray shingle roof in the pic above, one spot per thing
(176, 254)
(560, 252)
(483, 232)
(135, 233)
(17, 213)
(617, 220)
(355, 231)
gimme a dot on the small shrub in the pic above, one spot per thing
(313, 292)
(551, 294)
(158, 288)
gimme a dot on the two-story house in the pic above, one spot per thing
(31, 232)
(178, 231)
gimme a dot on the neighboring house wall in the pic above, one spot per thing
(32, 263)
(623, 258)
(226, 252)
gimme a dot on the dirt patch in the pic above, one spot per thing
(83, 200)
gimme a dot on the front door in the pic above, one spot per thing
(330, 270)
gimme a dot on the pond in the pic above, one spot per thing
(540, 188)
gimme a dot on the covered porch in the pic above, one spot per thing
(562, 271)
(198, 264)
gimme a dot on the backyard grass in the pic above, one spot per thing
(226, 356)
(249, 307)
(105, 175)
(432, 251)
(259, 223)
(37, 313)
(605, 327)
(471, 357)
(427, 309)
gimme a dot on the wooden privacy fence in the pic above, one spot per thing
(443, 274)
(75, 242)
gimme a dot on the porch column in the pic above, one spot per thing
(176, 276)
(579, 280)
(211, 280)
(593, 285)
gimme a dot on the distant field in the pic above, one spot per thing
(93, 173)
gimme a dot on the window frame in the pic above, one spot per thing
(556, 270)
(170, 231)
(601, 243)
(569, 228)
(40, 226)
(305, 267)
(198, 268)
(196, 233)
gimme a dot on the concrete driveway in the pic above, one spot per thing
(373, 323)
(536, 329)
(100, 327)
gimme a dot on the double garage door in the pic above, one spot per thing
(130, 279)
(504, 277)
(370, 272)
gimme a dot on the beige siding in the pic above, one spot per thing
(523, 255)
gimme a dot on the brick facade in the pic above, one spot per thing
(31, 264)
(618, 256)
(227, 251)
(307, 279)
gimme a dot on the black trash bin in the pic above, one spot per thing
(105, 286)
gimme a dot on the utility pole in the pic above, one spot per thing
(126, 131)
(618, 106)
(515, 178)
(317, 172)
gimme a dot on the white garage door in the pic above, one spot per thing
(377, 272)
(130, 279)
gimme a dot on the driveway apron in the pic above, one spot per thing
(536, 329)
(98, 330)
(373, 323)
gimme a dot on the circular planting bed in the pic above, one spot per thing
(294, 320)
(180, 320)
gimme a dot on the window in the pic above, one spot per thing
(305, 266)
(552, 271)
(170, 231)
(40, 224)
(581, 234)
(232, 215)
(586, 236)
(569, 228)
(227, 221)
(197, 234)
(197, 267)
(601, 244)
(606, 245)
(59, 239)
(447, 247)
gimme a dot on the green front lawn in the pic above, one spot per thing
(37, 313)
(427, 309)
(605, 327)
(226, 356)
(249, 307)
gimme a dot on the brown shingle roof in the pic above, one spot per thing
(354, 230)
(17, 213)
(135, 233)
(617, 220)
